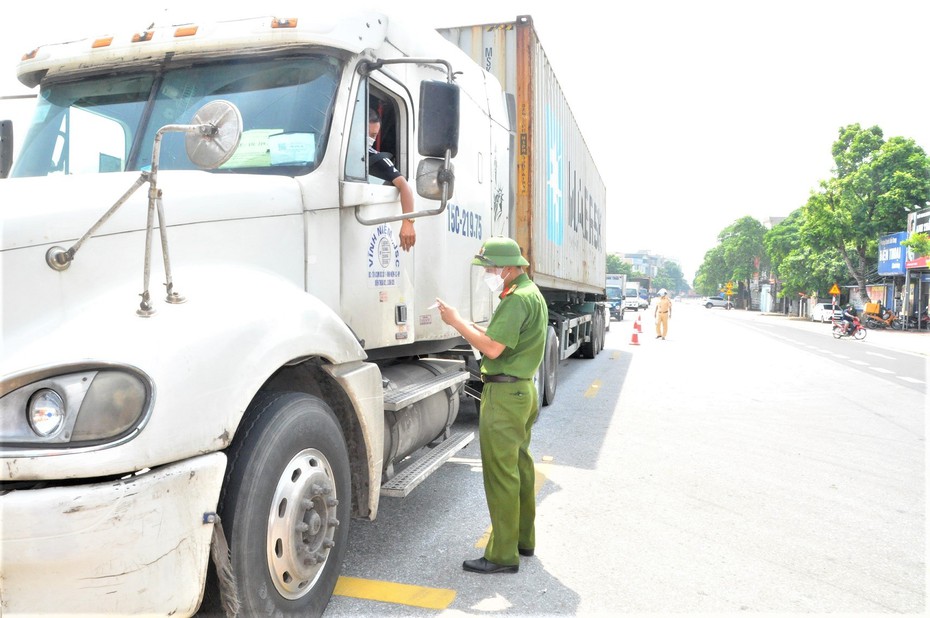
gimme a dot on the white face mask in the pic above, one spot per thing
(371, 142)
(494, 280)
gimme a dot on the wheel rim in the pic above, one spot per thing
(302, 523)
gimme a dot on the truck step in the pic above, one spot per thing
(403, 397)
(407, 479)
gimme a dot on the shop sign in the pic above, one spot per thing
(891, 254)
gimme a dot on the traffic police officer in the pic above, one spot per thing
(662, 313)
(512, 347)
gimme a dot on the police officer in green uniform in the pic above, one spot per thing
(512, 347)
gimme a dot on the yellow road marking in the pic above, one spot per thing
(593, 389)
(390, 592)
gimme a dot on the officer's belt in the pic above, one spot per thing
(500, 377)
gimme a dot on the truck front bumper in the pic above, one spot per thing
(137, 545)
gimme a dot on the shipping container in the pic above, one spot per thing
(558, 198)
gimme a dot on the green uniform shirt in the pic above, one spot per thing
(519, 322)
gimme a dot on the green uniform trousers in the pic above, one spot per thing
(508, 411)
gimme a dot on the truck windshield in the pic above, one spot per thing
(108, 123)
(614, 293)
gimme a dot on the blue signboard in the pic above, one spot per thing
(891, 255)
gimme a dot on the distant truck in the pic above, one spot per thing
(615, 286)
(645, 288)
(286, 367)
(632, 300)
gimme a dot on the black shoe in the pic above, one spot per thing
(657, 336)
(526, 552)
(482, 565)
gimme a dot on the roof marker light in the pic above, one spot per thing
(186, 31)
(102, 42)
(30, 55)
(284, 22)
(139, 37)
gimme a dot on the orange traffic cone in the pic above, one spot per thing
(638, 324)
(635, 339)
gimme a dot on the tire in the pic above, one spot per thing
(709, 305)
(837, 332)
(860, 333)
(285, 505)
(590, 348)
(551, 364)
(896, 324)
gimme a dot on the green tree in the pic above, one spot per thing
(712, 273)
(800, 268)
(743, 251)
(616, 266)
(918, 243)
(671, 278)
(875, 184)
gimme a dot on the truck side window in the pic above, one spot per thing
(389, 140)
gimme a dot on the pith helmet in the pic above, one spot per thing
(662, 292)
(499, 251)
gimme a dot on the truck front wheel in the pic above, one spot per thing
(285, 506)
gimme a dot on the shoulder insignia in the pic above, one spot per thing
(508, 291)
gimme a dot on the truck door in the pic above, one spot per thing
(378, 278)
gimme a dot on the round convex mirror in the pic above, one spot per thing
(220, 129)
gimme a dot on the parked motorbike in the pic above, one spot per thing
(840, 328)
(884, 320)
(914, 322)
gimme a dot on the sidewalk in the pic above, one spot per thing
(913, 341)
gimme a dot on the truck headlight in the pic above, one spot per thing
(74, 406)
(46, 412)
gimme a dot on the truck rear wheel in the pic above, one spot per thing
(285, 506)
(591, 347)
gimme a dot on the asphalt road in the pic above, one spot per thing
(746, 463)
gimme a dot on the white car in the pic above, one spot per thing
(824, 312)
(716, 301)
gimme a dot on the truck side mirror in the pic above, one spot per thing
(6, 147)
(431, 174)
(439, 119)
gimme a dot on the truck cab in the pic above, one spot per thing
(206, 306)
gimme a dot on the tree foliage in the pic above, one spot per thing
(875, 184)
(834, 236)
(616, 266)
(671, 278)
(800, 267)
(738, 257)
(918, 243)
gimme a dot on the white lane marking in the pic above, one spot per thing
(911, 380)
(880, 355)
(881, 370)
(858, 362)
(842, 356)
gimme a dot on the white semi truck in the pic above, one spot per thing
(215, 353)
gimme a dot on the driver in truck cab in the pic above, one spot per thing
(381, 166)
